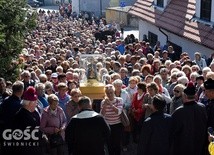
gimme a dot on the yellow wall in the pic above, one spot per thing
(114, 3)
(116, 16)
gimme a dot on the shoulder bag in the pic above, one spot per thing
(56, 138)
(124, 118)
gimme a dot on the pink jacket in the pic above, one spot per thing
(50, 121)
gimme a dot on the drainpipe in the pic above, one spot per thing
(101, 8)
(79, 6)
(167, 37)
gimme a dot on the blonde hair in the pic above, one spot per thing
(133, 78)
(180, 87)
(210, 75)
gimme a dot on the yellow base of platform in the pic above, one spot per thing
(93, 89)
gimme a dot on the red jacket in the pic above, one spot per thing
(137, 105)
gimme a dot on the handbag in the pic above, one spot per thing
(124, 118)
(55, 140)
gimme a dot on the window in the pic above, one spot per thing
(160, 3)
(206, 10)
(153, 38)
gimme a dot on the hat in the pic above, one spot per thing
(54, 75)
(30, 94)
(209, 84)
(190, 89)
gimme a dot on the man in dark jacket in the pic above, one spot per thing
(209, 91)
(28, 120)
(189, 125)
(22, 135)
(8, 109)
(155, 133)
(87, 132)
(12, 104)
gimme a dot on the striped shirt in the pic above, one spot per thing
(110, 115)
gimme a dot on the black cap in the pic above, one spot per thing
(209, 84)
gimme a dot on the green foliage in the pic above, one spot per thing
(15, 21)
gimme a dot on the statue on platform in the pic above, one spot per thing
(92, 73)
(90, 85)
(90, 66)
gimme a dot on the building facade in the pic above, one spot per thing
(187, 24)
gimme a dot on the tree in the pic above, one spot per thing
(16, 19)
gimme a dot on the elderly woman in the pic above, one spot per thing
(119, 92)
(152, 89)
(53, 121)
(187, 70)
(193, 77)
(177, 98)
(62, 94)
(71, 107)
(200, 61)
(49, 88)
(71, 84)
(138, 110)
(205, 70)
(111, 108)
(42, 97)
(163, 91)
(172, 83)
(132, 87)
(183, 80)
(145, 70)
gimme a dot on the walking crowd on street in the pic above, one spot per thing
(167, 96)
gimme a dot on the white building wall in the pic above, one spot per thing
(212, 12)
(75, 6)
(91, 6)
(198, 8)
(187, 45)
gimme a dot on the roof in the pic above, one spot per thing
(176, 18)
(121, 9)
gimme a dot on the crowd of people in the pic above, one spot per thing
(168, 97)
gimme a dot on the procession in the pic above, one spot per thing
(85, 88)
